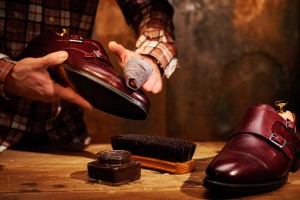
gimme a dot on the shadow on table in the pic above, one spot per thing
(229, 195)
(80, 175)
(66, 150)
(193, 186)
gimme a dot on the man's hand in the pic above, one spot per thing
(154, 82)
(30, 79)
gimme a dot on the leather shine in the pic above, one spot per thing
(249, 157)
(85, 55)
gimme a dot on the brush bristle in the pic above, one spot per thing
(163, 148)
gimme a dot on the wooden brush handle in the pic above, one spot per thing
(166, 166)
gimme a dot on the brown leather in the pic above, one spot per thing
(258, 156)
(88, 59)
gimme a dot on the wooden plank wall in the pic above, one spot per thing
(238, 53)
(233, 54)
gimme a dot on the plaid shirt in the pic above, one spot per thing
(24, 122)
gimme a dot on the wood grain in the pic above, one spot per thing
(59, 174)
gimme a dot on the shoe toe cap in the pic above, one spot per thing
(237, 167)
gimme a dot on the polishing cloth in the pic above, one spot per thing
(136, 72)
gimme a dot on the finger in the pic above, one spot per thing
(53, 59)
(118, 50)
(153, 85)
(70, 95)
(157, 88)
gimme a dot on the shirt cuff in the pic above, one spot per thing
(161, 47)
(6, 65)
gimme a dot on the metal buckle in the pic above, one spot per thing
(76, 38)
(99, 55)
(281, 146)
(95, 52)
(292, 130)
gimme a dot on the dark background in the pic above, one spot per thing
(233, 54)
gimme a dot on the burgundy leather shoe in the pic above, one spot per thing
(89, 71)
(258, 156)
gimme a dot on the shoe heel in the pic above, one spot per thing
(296, 164)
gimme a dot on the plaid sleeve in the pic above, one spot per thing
(153, 24)
(6, 65)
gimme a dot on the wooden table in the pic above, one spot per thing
(56, 174)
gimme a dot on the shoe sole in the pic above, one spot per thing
(242, 188)
(105, 97)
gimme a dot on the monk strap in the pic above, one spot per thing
(291, 126)
(277, 140)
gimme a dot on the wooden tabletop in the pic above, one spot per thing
(60, 174)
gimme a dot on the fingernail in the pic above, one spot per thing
(62, 54)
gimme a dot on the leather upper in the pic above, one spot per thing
(85, 55)
(265, 122)
(262, 148)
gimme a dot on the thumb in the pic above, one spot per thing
(118, 50)
(53, 59)
(70, 95)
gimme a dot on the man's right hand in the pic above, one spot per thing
(30, 79)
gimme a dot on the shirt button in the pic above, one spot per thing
(51, 19)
